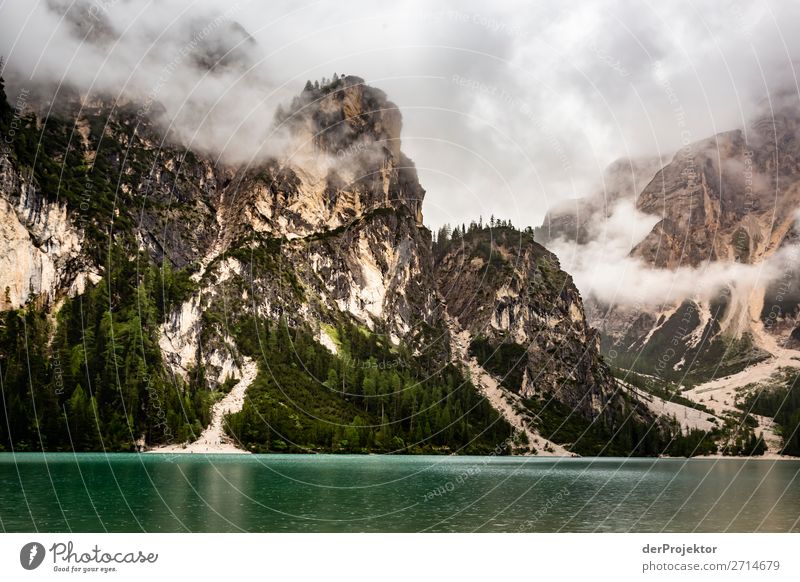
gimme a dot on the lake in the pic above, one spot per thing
(88, 492)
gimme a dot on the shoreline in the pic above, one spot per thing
(233, 452)
(213, 440)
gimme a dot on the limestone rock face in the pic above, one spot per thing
(379, 270)
(732, 197)
(729, 200)
(40, 246)
(502, 286)
(343, 161)
(345, 205)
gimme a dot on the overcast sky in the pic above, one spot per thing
(507, 109)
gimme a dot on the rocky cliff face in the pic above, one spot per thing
(728, 200)
(335, 227)
(732, 197)
(343, 161)
(40, 246)
(509, 291)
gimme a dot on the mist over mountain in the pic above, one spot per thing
(305, 289)
(691, 278)
(530, 103)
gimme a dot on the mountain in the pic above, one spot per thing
(519, 326)
(732, 197)
(510, 294)
(158, 297)
(724, 211)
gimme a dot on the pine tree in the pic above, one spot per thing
(332, 381)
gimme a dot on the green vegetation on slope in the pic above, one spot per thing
(735, 437)
(782, 402)
(94, 379)
(91, 376)
(369, 397)
(557, 422)
(657, 387)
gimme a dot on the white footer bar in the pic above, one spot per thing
(400, 557)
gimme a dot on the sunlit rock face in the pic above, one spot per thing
(40, 246)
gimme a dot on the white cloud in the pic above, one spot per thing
(604, 270)
(571, 86)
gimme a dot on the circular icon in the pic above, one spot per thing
(31, 555)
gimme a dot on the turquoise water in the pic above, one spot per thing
(59, 492)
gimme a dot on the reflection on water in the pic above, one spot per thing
(130, 492)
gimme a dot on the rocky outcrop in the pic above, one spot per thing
(732, 197)
(343, 162)
(503, 287)
(40, 246)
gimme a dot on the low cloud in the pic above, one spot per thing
(605, 271)
(193, 69)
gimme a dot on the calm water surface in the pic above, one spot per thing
(272, 493)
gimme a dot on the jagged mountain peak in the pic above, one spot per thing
(345, 116)
(343, 160)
